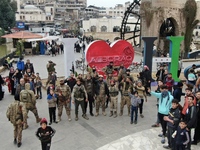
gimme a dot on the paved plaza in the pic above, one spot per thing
(102, 132)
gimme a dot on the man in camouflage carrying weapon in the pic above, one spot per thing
(64, 93)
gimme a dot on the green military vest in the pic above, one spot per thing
(113, 91)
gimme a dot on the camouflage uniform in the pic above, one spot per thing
(64, 93)
(50, 68)
(17, 114)
(30, 104)
(126, 100)
(101, 97)
(79, 94)
(113, 92)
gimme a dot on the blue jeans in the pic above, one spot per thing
(134, 109)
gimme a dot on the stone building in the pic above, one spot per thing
(161, 18)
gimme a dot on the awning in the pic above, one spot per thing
(48, 38)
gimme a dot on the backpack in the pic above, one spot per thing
(14, 113)
(25, 96)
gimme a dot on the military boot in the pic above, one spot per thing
(38, 119)
(97, 113)
(115, 114)
(85, 116)
(59, 118)
(76, 118)
(104, 113)
(121, 113)
(25, 126)
(111, 113)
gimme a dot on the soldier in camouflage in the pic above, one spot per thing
(125, 87)
(16, 113)
(63, 93)
(30, 103)
(89, 86)
(102, 93)
(79, 94)
(113, 93)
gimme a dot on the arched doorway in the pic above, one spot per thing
(169, 27)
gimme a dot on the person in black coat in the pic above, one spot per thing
(11, 73)
(45, 134)
(146, 78)
(160, 73)
(178, 91)
(29, 65)
(1, 82)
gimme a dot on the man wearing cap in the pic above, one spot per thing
(109, 68)
(16, 113)
(126, 87)
(28, 98)
(113, 93)
(126, 74)
(50, 67)
(64, 93)
(102, 93)
(79, 94)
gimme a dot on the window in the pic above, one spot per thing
(93, 28)
(116, 29)
(103, 29)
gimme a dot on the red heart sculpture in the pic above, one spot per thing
(100, 53)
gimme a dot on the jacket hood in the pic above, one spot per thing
(27, 86)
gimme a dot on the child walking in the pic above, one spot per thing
(135, 101)
(52, 100)
(39, 88)
(45, 134)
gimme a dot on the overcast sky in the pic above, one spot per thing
(108, 3)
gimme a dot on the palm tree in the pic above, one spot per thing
(189, 11)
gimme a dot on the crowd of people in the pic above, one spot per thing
(97, 92)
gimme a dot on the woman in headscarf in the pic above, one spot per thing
(12, 83)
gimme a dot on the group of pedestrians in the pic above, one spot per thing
(93, 89)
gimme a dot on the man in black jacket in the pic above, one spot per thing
(145, 76)
(178, 91)
(29, 65)
(1, 93)
(190, 118)
(172, 123)
(197, 129)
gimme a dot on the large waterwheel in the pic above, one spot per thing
(131, 30)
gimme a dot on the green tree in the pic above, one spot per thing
(13, 5)
(2, 40)
(189, 11)
(7, 15)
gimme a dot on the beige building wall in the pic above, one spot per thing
(109, 23)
